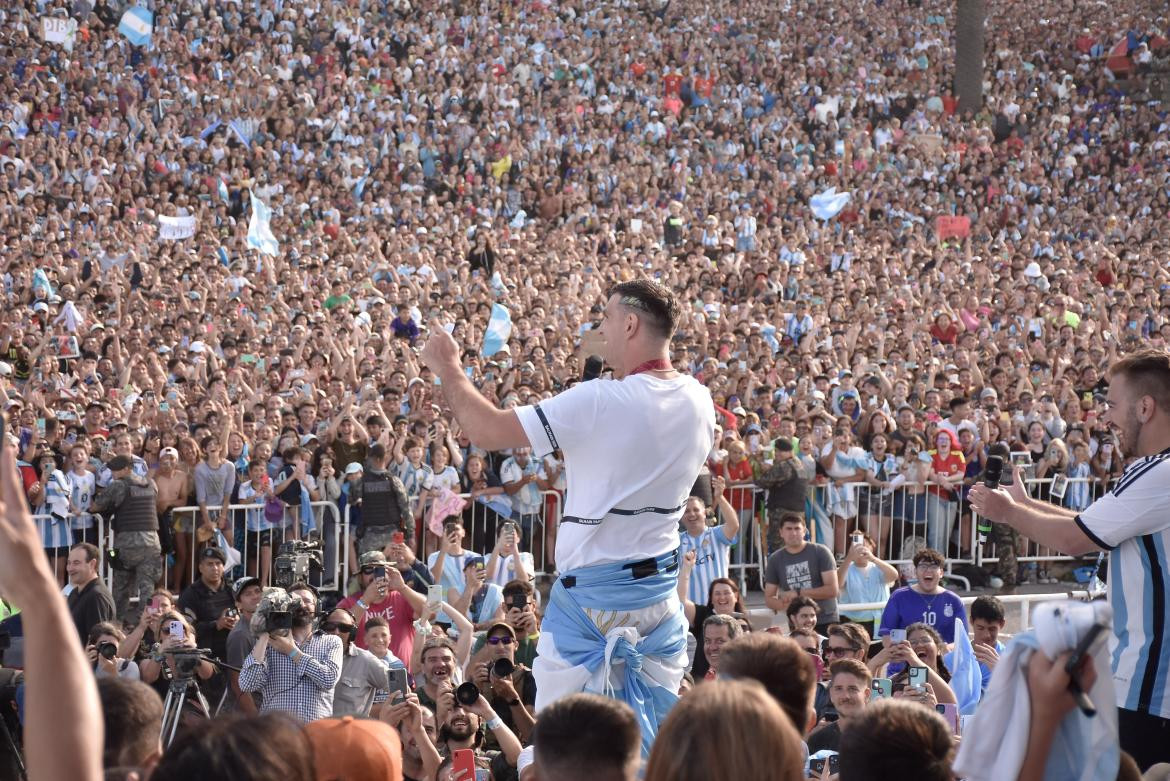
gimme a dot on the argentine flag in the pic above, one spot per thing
(966, 677)
(499, 328)
(137, 24)
(827, 205)
(222, 190)
(260, 228)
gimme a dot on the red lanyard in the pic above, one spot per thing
(653, 365)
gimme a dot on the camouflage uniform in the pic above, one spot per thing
(140, 555)
(1005, 539)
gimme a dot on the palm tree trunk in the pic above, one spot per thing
(969, 18)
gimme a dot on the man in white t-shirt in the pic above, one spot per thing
(633, 447)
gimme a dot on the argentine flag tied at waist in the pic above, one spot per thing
(260, 228)
(498, 331)
(137, 25)
(613, 588)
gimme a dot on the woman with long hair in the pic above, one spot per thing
(723, 598)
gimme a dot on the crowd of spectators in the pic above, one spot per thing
(425, 160)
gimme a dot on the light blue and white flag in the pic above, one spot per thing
(137, 25)
(41, 280)
(827, 205)
(359, 187)
(499, 329)
(260, 228)
(966, 677)
(207, 131)
(242, 131)
(221, 188)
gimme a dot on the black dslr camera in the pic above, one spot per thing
(294, 560)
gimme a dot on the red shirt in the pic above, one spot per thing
(951, 466)
(740, 497)
(398, 614)
(672, 83)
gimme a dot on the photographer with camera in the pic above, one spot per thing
(209, 603)
(461, 712)
(511, 687)
(385, 594)
(137, 562)
(102, 650)
(362, 674)
(294, 670)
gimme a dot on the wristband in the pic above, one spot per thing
(494, 723)
(294, 654)
(362, 604)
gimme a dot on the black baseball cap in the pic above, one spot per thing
(213, 553)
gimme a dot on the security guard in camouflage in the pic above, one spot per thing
(131, 501)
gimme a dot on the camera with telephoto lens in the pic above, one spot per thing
(503, 668)
(108, 650)
(294, 560)
(467, 693)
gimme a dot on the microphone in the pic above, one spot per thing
(593, 368)
(992, 474)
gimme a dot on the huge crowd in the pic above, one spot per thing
(425, 161)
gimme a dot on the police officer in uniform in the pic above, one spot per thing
(385, 505)
(131, 500)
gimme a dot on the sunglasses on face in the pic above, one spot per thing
(839, 651)
(501, 640)
(334, 626)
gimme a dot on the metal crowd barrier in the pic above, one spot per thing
(900, 520)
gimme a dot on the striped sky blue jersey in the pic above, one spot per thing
(1132, 522)
(84, 488)
(55, 529)
(711, 559)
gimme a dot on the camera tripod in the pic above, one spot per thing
(177, 693)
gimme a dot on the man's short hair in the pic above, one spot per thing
(434, 642)
(854, 634)
(798, 604)
(587, 737)
(653, 301)
(91, 551)
(374, 622)
(377, 451)
(733, 726)
(988, 608)
(734, 629)
(896, 739)
(514, 588)
(784, 668)
(791, 518)
(929, 556)
(852, 667)
(133, 713)
(1148, 373)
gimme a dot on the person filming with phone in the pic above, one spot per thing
(1132, 523)
(383, 593)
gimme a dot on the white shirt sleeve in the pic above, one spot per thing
(564, 421)
(1138, 510)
